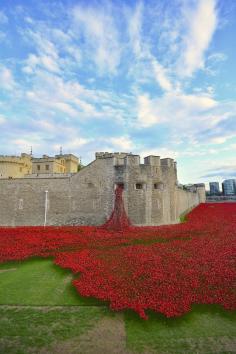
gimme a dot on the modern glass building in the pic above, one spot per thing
(229, 187)
(214, 188)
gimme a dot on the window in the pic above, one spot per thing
(138, 186)
(38, 167)
(20, 204)
(20, 169)
(158, 185)
(47, 167)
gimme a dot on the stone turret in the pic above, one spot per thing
(152, 160)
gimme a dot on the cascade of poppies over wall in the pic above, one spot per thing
(165, 269)
(118, 219)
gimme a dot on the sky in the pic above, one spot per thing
(147, 77)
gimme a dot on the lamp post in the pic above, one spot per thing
(45, 208)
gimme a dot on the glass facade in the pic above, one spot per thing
(214, 188)
(229, 187)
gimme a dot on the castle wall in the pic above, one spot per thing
(185, 201)
(92, 193)
(85, 198)
(151, 195)
(22, 201)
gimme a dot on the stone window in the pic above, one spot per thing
(38, 167)
(20, 169)
(139, 186)
(20, 206)
(158, 185)
(47, 167)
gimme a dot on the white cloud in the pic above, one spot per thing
(162, 152)
(41, 99)
(201, 25)
(72, 144)
(218, 140)
(46, 125)
(161, 76)
(101, 36)
(52, 93)
(216, 57)
(67, 98)
(134, 29)
(2, 119)
(43, 44)
(122, 143)
(24, 144)
(147, 114)
(74, 52)
(44, 61)
(173, 107)
(7, 81)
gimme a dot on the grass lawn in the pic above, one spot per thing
(207, 329)
(38, 282)
(27, 330)
(33, 288)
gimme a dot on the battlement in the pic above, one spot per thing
(67, 157)
(128, 159)
(152, 160)
(15, 159)
(105, 155)
(167, 162)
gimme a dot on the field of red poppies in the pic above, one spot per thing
(165, 269)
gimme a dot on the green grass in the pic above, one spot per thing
(26, 330)
(184, 217)
(206, 329)
(38, 282)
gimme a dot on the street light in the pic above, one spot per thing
(45, 208)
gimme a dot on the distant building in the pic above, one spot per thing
(66, 163)
(229, 187)
(27, 166)
(214, 188)
(71, 162)
(15, 166)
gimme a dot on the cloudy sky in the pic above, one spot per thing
(148, 77)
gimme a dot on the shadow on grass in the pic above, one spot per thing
(206, 329)
(197, 309)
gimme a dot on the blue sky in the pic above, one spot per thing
(148, 77)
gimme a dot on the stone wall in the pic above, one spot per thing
(151, 195)
(22, 201)
(186, 200)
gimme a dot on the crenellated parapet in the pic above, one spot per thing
(152, 160)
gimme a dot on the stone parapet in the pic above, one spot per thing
(152, 160)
